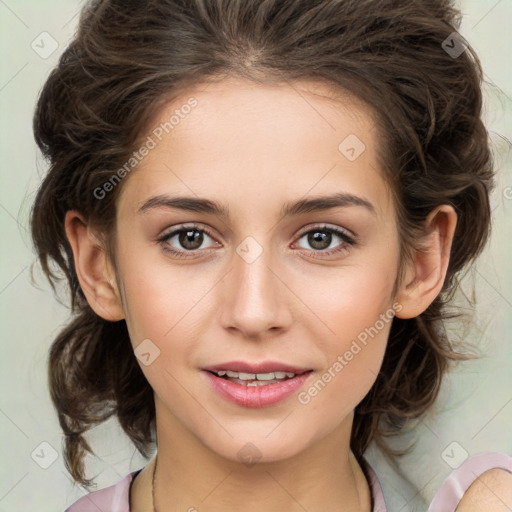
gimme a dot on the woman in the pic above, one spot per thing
(261, 209)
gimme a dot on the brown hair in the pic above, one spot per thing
(128, 57)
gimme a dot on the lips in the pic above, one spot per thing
(256, 384)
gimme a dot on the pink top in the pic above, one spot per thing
(116, 497)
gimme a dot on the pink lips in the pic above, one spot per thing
(256, 396)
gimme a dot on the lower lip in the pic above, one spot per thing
(256, 396)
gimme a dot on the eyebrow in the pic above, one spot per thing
(314, 204)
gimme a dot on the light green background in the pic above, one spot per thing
(475, 407)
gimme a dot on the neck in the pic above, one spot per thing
(190, 476)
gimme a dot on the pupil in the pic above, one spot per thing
(191, 239)
(318, 239)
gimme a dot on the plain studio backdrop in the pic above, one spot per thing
(473, 413)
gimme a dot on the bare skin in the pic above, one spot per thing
(255, 149)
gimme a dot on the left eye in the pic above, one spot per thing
(322, 238)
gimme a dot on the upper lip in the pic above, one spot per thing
(263, 367)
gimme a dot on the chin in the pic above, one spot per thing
(258, 449)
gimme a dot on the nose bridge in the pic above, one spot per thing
(254, 298)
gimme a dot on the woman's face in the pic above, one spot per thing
(288, 254)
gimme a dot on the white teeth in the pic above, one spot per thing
(245, 376)
(255, 376)
(265, 376)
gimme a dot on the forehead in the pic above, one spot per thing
(284, 140)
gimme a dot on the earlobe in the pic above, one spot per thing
(426, 271)
(92, 267)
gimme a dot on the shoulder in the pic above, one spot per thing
(115, 498)
(490, 491)
(482, 482)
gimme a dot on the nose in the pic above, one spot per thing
(255, 298)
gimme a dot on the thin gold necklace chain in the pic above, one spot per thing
(153, 486)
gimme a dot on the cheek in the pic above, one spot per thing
(164, 312)
(162, 300)
(350, 300)
(358, 311)
(352, 368)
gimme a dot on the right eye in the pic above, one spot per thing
(185, 239)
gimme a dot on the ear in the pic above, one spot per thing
(426, 271)
(93, 269)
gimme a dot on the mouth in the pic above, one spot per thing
(256, 385)
(256, 374)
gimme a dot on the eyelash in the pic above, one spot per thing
(343, 235)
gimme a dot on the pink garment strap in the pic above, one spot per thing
(122, 495)
(458, 481)
(379, 505)
(111, 499)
